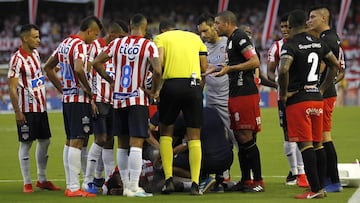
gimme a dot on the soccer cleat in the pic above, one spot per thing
(206, 184)
(241, 185)
(99, 182)
(291, 179)
(194, 190)
(90, 188)
(168, 187)
(28, 188)
(217, 188)
(79, 193)
(256, 186)
(302, 181)
(334, 187)
(47, 185)
(308, 194)
(138, 192)
(67, 191)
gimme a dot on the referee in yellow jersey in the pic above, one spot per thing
(183, 56)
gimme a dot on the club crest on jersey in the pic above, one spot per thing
(130, 51)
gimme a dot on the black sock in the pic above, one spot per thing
(310, 166)
(321, 164)
(253, 156)
(332, 162)
(244, 165)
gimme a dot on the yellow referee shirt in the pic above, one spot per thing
(181, 53)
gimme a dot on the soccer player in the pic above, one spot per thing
(319, 24)
(183, 56)
(102, 102)
(299, 70)
(297, 173)
(217, 88)
(71, 54)
(27, 95)
(132, 56)
(244, 97)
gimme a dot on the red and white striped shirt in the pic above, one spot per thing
(274, 51)
(67, 52)
(131, 56)
(100, 87)
(31, 85)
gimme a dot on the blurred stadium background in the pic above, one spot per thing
(59, 18)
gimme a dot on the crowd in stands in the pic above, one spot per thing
(55, 25)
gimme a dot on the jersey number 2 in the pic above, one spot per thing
(313, 59)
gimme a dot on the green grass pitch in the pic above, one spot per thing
(346, 128)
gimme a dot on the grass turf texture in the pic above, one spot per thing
(270, 140)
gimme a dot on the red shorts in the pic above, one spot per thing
(244, 112)
(329, 105)
(305, 121)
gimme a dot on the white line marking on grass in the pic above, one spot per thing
(355, 197)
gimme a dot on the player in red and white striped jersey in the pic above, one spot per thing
(27, 94)
(132, 56)
(101, 151)
(71, 55)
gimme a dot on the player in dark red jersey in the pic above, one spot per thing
(299, 71)
(319, 24)
(27, 95)
(71, 54)
(244, 97)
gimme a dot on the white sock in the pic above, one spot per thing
(290, 152)
(66, 165)
(93, 156)
(99, 167)
(42, 158)
(84, 155)
(135, 166)
(187, 185)
(74, 158)
(122, 160)
(108, 160)
(24, 159)
(300, 162)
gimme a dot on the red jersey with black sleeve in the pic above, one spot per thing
(239, 49)
(307, 53)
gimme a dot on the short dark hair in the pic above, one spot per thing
(228, 16)
(122, 24)
(297, 18)
(284, 17)
(27, 27)
(207, 18)
(166, 24)
(319, 7)
(137, 19)
(86, 22)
